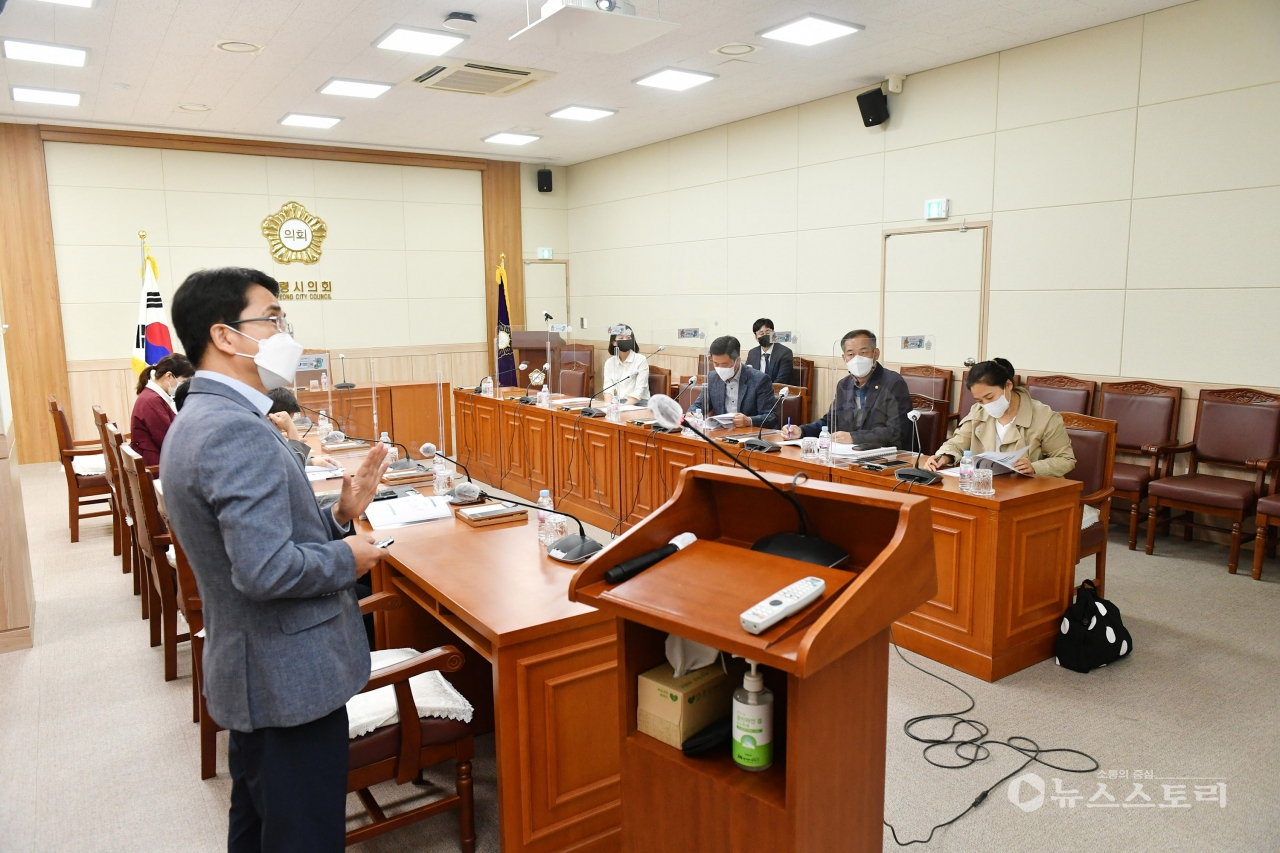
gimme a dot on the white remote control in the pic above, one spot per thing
(782, 604)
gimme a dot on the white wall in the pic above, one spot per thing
(1131, 173)
(404, 247)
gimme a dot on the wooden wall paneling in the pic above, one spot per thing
(415, 417)
(34, 347)
(109, 383)
(17, 597)
(500, 192)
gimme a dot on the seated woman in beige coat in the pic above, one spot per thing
(1004, 417)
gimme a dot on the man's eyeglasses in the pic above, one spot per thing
(279, 321)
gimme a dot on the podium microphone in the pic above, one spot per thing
(574, 548)
(764, 445)
(589, 412)
(917, 475)
(344, 385)
(801, 545)
(630, 568)
(399, 465)
(429, 451)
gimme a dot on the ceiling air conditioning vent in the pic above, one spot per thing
(478, 78)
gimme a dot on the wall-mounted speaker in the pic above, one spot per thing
(874, 104)
(544, 180)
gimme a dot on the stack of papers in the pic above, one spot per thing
(720, 421)
(852, 451)
(316, 473)
(411, 509)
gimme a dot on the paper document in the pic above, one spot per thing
(411, 509)
(720, 421)
(630, 408)
(852, 451)
(1000, 462)
(571, 402)
(316, 473)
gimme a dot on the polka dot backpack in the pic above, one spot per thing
(1091, 633)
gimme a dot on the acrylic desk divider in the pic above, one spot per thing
(827, 665)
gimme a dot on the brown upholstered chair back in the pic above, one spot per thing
(1062, 393)
(659, 380)
(1094, 443)
(61, 427)
(113, 469)
(1144, 412)
(1237, 424)
(966, 398)
(111, 449)
(791, 408)
(690, 395)
(803, 368)
(932, 424)
(573, 383)
(927, 381)
(146, 518)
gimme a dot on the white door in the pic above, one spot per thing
(933, 286)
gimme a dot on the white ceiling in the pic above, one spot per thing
(148, 56)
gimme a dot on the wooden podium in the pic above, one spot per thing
(828, 665)
(531, 348)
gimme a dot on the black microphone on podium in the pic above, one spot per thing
(759, 444)
(802, 545)
(630, 568)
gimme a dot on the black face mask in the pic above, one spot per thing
(765, 339)
(625, 345)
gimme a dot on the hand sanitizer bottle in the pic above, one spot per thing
(753, 722)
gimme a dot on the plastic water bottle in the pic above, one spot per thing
(544, 397)
(966, 471)
(323, 428)
(545, 515)
(392, 455)
(324, 381)
(614, 411)
(824, 446)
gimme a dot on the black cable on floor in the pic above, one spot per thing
(971, 746)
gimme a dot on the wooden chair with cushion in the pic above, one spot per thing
(966, 400)
(804, 376)
(115, 444)
(573, 383)
(402, 751)
(689, 395)
(83, 490)
(659, 380)
(154, 541)
(1235, 428)
(1094, 443)
(1062, 393)
(1268, 515)
(1146, 415)
(932, 425)
(120, 545)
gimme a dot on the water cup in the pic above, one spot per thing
(982, 482)
(809, 448)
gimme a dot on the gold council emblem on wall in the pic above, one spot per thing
(294, 235)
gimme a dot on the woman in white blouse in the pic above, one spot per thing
(628, 368)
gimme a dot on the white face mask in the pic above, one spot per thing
(726, 373)
(277, 359)
(997, 407)
(860, 365)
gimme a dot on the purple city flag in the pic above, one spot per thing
(506, 357)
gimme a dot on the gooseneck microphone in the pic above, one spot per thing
(630, 568)
(760, 444)
(917, 475)
(801, 545)
(589, 412)
(400, 464)
(429, 451)
(344, 385)
(573, 548)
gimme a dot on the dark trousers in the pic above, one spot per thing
(289, 788)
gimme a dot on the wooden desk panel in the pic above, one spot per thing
(528, 457)
(415, 417)
(588, 468)
(353, 409)
(1006, 569)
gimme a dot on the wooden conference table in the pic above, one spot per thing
(1006, 563)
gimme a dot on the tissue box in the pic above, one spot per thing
(671, 709)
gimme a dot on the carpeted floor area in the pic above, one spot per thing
(98, 753)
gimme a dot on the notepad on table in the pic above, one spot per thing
(410, 509)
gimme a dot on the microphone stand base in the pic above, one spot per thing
(761, 445)
(573, 548)
(592, 413)
(344, 386)
(802, 547)
(917, 476)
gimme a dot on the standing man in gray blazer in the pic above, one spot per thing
(737, 389)
(285, 645)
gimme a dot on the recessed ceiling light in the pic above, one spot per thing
(354, 88)
(736, 48)
(46, 96)
(810, 30)
(675, 79)
(195, 108)
(50, 53)
(582, 113)
(508, 138)
(238, 46)
(83, 4)
(414, 40)
(303, 120)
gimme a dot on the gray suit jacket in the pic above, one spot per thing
(755, 396)
(285, 643)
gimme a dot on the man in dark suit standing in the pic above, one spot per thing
(285, 645)
(773, 359)
(734, 388)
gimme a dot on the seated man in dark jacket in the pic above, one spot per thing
(778, 360)
(734, 388)
(871, 403)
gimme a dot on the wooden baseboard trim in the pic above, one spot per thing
(15, 640)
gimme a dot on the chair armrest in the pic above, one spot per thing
(1267, 464)
(154, 471)
(1168, 448)
(379, 601)
(82, 451)
(90, 442)
(443, 659)
(165, 539)
(1098, 497)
